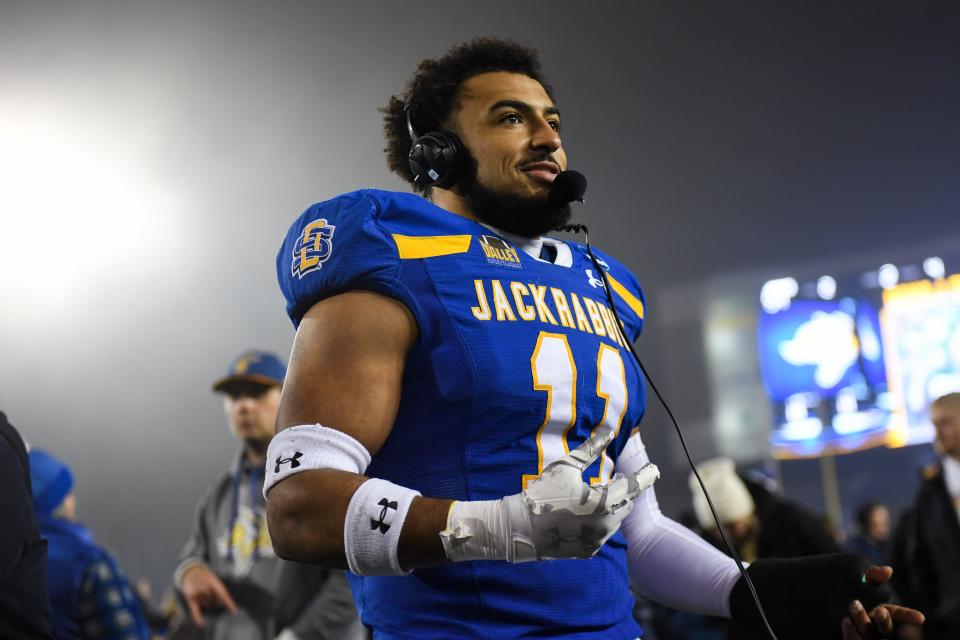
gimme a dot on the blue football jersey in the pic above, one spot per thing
(516, 362)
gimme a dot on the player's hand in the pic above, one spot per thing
(204, 591)
(881, 621)
(559, 515)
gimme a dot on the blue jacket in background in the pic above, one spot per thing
(89, 595)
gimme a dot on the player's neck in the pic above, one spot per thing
(453, 202)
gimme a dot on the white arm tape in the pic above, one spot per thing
(371, 530)
(476, 530)
(312, 446)
(668, 562)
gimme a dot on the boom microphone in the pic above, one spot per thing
(567, 187)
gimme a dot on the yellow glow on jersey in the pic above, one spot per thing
(415, 247)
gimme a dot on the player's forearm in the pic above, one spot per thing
(668, 562)
(306, 514)
(336, 518)
(420, 543)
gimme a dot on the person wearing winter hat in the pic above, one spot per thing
(759, 522)
(733, 503)
(90, 597)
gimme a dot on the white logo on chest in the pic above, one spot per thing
(596, 283)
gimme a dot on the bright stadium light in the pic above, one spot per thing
(826, 287)
(78, 211)
(775, 295)
(934, 267)
(888, 276)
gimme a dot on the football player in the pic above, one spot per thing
(459, 425)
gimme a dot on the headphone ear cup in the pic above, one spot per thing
(435, 159)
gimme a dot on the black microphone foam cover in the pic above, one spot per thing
(568, 186)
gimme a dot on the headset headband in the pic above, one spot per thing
(406, 111)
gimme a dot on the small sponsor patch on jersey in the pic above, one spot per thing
(498, 251)
(313, 247)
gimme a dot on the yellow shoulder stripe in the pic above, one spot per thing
(632, 301)
(413, 247)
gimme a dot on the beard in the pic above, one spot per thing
(525, 216)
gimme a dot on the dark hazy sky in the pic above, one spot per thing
(152, 155)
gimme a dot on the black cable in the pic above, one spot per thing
(577, 228)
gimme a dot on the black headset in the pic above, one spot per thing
(434, 157)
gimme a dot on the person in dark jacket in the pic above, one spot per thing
(759, 523)
(24, 605)
(903, 550)
(873, 533)
(90, 597)
(933, 531)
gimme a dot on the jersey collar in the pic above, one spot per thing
(533, 246)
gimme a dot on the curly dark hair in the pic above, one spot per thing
(432, 90)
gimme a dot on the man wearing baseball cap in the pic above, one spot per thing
(228, 573)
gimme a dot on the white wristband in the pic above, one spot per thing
(312, 446)
(371, 530)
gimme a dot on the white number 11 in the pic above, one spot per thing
(555, 372)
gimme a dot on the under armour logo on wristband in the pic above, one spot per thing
(294, 461)
(380, 524)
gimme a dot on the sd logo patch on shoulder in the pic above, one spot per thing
(313, 247)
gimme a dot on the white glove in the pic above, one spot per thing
(558, 515)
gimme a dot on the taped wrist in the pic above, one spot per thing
(805, 597)
(371, 530)
(489, 530)
(312, 446)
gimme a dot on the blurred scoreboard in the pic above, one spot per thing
(854, 363)
(921, 331)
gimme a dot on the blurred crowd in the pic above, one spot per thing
(57, 581)
(923, 547)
